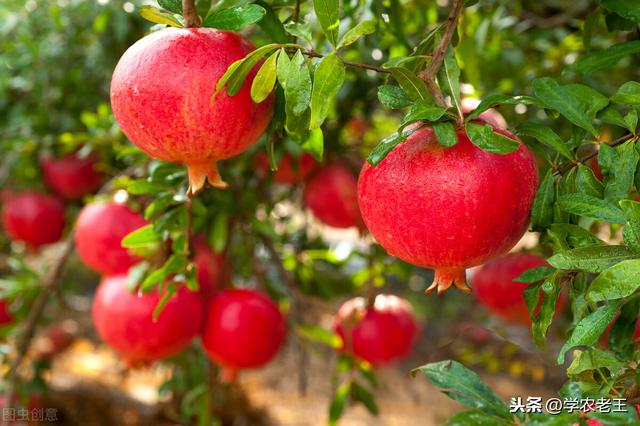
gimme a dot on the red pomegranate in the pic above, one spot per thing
(378, 334)
(5, 315)
(211, 266)
(242, 329)
(448, 208)
(595, 167)
(495, 289)
(590, 422)
(490, 116)
(99, 231)
(290, 169)
(72, 177)
(33, 218)
(162, 96)
(332, 196)
(124, 320)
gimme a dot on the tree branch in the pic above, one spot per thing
(314, 54)
(190, 14)
(586, 158)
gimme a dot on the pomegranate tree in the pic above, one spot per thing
(72, 177)
(211, 266)
(100, 229)
(33, 218)
(290, 169)
(162, 91)
(124, 320)
(332, 196)
(380, 333)
(242, 329)
(448, 208)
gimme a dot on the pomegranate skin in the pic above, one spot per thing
(124, 320)
(211, 266)
(5, 315)
(242, 329)
(162, 91)
(33, 218)
(448, 208)
(290, 169)
(100, 229)
(495, 289)
(332, 196)
(71, 177)
(379, 334)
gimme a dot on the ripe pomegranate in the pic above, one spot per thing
(33, 218)
(5, 315)
(71, 176)
(331, 195)
(380, 333)
(448, 208)
(161, 95)
(124, 320)
(99, 231)
(211, 266)
(242, 329)
(290, 169)
(495, 289)
(490, 116)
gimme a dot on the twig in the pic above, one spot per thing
(296, 12)
(190, 14)
(314, 54)
(586, 158)
(438, 55)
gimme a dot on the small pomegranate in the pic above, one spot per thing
(290, 169)
(161, 95)
(448, 208)
(242, 329)
(124, 320)
(5, 315)
(332, 196)
(33, 218)
(72, 177)
(380, 333)
(495, 289)
(211, 266)
(490, 116)
(595, 167)
(100, 229)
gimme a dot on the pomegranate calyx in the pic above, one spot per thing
(444, 278)
(200, 174)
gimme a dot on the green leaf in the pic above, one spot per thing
(359, 393)
(542, 321)
(219, 232)
(164, 299)
(174, 6)
(159, 16)
(423, 110)
(235, 18)
(339, 402)
(298, 86)
(620, 280)
(327, 81)
(566, 236)
(628, 9)
(393, 97)
(282, 67)
(631, 120)
(446, 134)
(587, 183)
(411, 84)
(464, 386)
(271, 24)
(328, 14)
(590, 328)
(475, 418)
(593, 359)
(300, 30)
(483, 136)
(605, 58)
(621, 334)
(619, 182)
(555, 97)
(361, 29)
(320, 335)
(238, 71)
(542, 210)
(612, 116)
(494, 100)
(585, 205)
(314, 145)
(534, 275)
(386, 145)
(141, 237)
(591, 100)
(546, 136)
(265, 79)
(449, 79)
(628, 93)
(591, 259)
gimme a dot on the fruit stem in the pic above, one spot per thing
(201, 173)
(190, 14)
(444, 278)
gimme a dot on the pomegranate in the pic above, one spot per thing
(33, 218)
(495, 289)
(448, 208)
(595, 167)
(242, 329)
(124, 320)
(211, 266)
(290, 169)
(5, 315)
(590, 422)
(162, 97)
(71, 176)
(380, 333)
(99, 231)
(332, 196)
(490, 116)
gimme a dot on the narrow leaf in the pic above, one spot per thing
(361, 29)
(327, 81)
(264, 80)
(621, 280)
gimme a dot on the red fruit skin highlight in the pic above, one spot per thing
(332, 196)
(71, 176)
(290, 169)
(33, 218)
(124, 320)
(448, 208)
(242, 329)
(100, 229)
(162, 97)
(211, 267)
(495, 289)
(379, 334)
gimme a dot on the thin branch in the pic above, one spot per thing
(586, 158)
(438, 55)
(296, 12)
(190, 14)
(314, 54)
